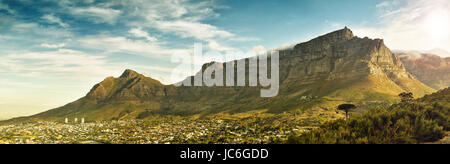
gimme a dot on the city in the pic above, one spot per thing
(160, 131)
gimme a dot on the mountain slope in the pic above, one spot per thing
(442, 97)
(321, 73)
(428, 68)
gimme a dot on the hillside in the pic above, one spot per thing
(442, 96)
(425, 120)
(321, 73)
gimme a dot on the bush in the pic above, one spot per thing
(403, 123)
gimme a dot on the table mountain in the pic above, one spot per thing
(331, 69)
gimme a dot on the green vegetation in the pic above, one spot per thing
(425, 120)
(406, 96)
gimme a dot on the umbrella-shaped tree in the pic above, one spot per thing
(346, 108)
(406, 96)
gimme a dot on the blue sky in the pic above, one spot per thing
(53, 51)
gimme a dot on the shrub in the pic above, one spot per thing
(399, 124)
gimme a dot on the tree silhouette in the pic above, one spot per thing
(406, 96)
(346, 108)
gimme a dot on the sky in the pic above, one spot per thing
(53, 51)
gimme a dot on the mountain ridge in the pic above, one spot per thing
(330, 69)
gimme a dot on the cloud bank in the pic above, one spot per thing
(411, 24)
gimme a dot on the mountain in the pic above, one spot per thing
(431, 69)
(334, 68)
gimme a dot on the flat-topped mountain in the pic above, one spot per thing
(334, 68)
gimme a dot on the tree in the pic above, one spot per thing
(347, 108)
(406, 96)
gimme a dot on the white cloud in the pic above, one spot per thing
(113, 44)
(53, 19)
(156, 68)
(287, 46)
(63, 63)
(186, 20)
(96, 14)
(204, 32)
(45, 45)
(259, 49)
(384, 4)
(192, 29)
(214, 45)
(172, 9)
(34, 31)
(137, 32)
(11, 83)
(7, 8)
(20, 27)
(439, 52)
(244, 39)
(419, 25)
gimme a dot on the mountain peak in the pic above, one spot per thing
(344, 34)
(129, 74)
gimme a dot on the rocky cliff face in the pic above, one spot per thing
(334, 68)
(342, 56)
(428, 68)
